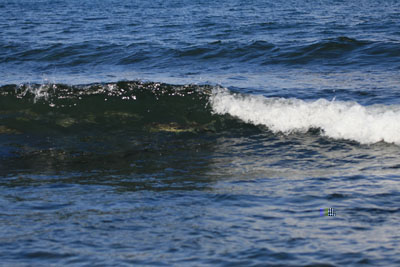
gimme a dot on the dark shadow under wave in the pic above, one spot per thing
(125, 126)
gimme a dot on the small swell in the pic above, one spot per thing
(343, 48)
(247, 51)
(335, 119)
(335, 51)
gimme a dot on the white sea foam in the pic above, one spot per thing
(336, 119)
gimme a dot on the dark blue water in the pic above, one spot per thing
(200, 133)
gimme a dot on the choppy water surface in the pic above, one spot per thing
(199, 133)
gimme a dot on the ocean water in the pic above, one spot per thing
(192, 133)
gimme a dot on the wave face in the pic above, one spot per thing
(335, 119)
(132, 108)
(113, 106)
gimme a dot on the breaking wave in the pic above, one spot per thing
(334, 119)
(134, 107)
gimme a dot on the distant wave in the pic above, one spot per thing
(335, 119)
(337, 51)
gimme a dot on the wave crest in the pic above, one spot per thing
(335, 119)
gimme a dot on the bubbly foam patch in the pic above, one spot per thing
(336, 119)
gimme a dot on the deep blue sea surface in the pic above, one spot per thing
(190, 133)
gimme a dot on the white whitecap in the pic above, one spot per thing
(336, 119)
